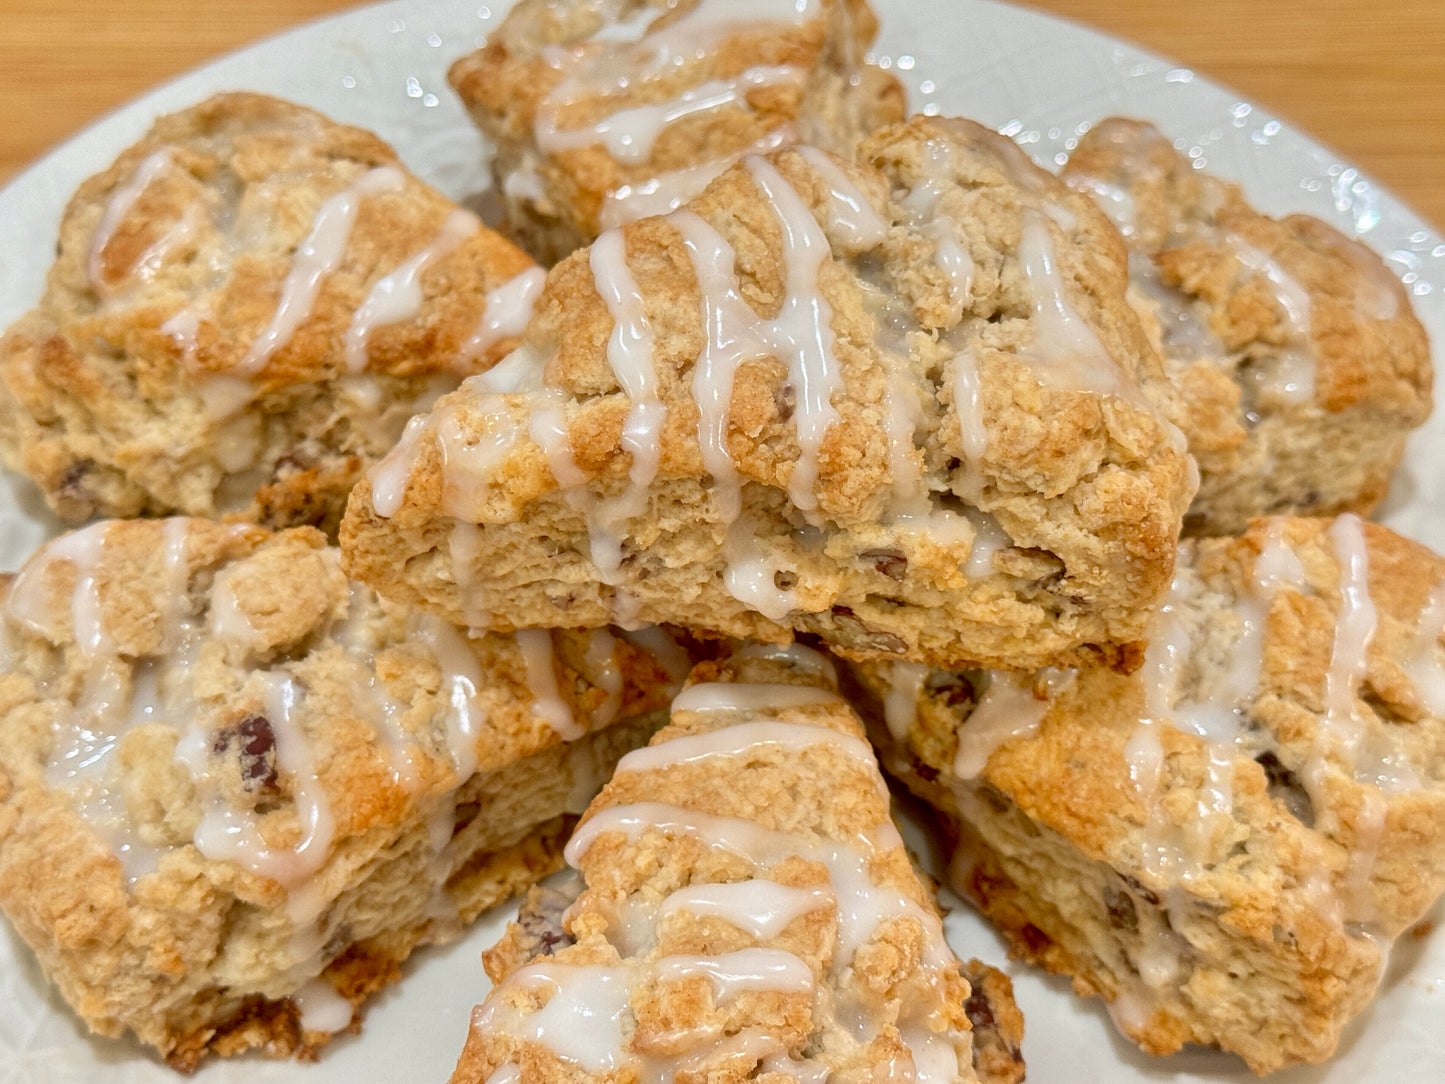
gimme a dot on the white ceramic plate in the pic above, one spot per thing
(1039, 79)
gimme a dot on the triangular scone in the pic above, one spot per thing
(906, 408)
(605, 113)
(236, 790)
(1300, 364)
(1223, 843)
(245, 310)
(745, 911)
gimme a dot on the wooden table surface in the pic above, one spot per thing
(1367, 78)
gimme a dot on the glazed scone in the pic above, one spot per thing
(245, 310)
(236, 790)
(1223, 844)
(905, 407)
(1300, 363)
(604, 111)
(744, 910)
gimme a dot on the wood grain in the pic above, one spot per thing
(1365, 78)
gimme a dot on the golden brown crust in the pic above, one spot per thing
(278, 770)
(1086, 483)
(1298, 819)
(1246, 306)
(139, 385)
(557, 197)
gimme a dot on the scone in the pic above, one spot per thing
(603, 113)
(904, 406)
(1223, 844)
(236, 790)
(245, 310)
(1301, 366)
(744, 910)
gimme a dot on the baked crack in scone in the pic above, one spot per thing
(245, 310)
(605, 111)
(744, 910)
(1222, 844)
(1299, 361)
(904, 406)
(236, 791)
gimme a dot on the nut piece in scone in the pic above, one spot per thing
(904, 406)
(604, 112)
(245, 310)
(744, 910)
(1223, 844)
(236, 790)
(1299, 362)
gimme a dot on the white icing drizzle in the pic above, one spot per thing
(505, 313)
(398, 296)
(461, 677)
(935, 1058)
(968, 409)
(582, 1019)
(670, 189)
(1354, 629)
(708, 696)
(506, 1074)
(732, 973)
(745, 738)
(1065, 351)
(629, 134)
(1291, 378)
(801, 335)
(762, 907)
(604, 672)
(322, 1008)
(862, 904)
(226, 833)
(730, 326)
(1423, 664)
(602, 69)
(674, 661)
(630, 354)
(389, 477)
(121, 203)
(1343, 725)
(464, 545)
(317, 256)
(949, 254)
(900, 702)
(850, 212)
(1115, 200)
(547, 703)
(1011, 707)
(29, 600)
(471, 453)
(796, 655)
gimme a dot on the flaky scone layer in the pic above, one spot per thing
(744, 910)
(1301, 367)
(244, 311)
(236, 790)
(605, 113)
(904, 406)
(1222, 843)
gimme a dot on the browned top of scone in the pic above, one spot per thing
(1065, 441)
(796, 825)
(200, 224)
(1267, 284)
(547, 69)
(205, 671)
